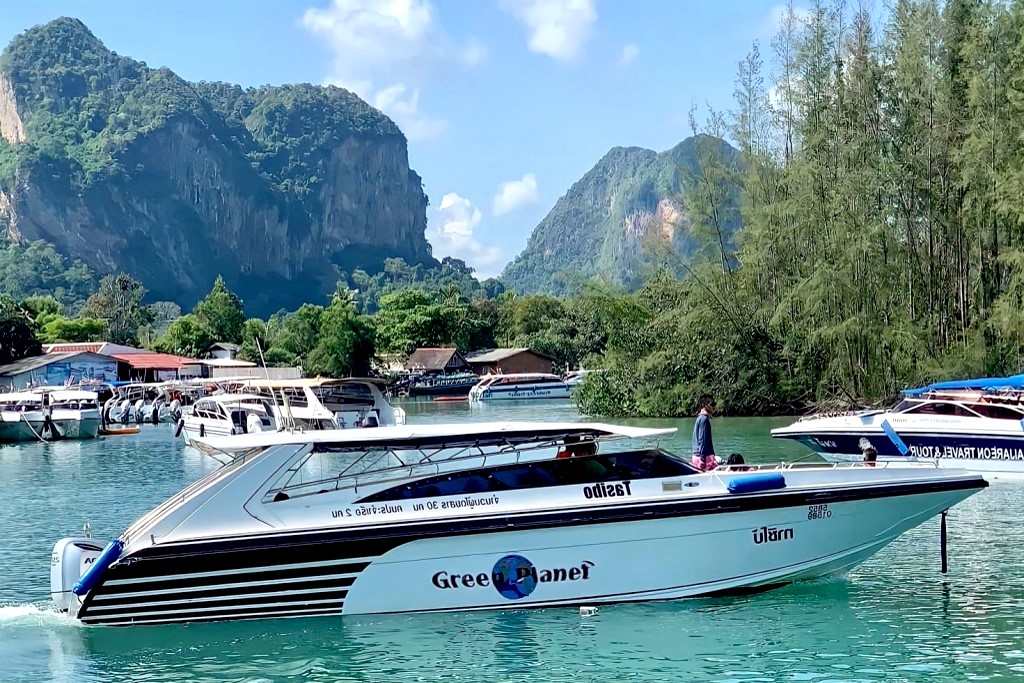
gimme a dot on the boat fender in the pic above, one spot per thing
(751, 483)
(177, 430)
(98, 568)
(894, 437)
(202, 430)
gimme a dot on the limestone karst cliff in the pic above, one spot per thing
(129, 168)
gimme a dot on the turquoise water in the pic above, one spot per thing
(894, 619)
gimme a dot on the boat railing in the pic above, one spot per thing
(369, 474)
(930, 463)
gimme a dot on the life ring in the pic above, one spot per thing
(178, 428)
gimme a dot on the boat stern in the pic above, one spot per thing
(70, 560)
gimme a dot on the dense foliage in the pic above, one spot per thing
(37, 269)
(882, 209)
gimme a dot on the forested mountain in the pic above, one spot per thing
(635, 211)
(134, 169)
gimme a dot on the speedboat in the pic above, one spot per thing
(74, 413)
(21, 416)
(971, 424)
(325, 403)
(48, 414)
(519, 386)
(438, 384)
(149, 402)
(431, 518)
(227, 414)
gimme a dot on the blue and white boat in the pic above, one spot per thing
(975, 424)
(519, 386)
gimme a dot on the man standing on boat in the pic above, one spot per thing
(703, 445)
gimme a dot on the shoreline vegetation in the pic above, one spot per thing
(882, 173)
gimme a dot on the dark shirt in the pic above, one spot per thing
(702, 442)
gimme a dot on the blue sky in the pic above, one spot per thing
(505, 102)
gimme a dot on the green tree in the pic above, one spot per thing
(345, 343)
(222, 313)
(61, 329)
(17, 338)
(186, 336)
(118, 302)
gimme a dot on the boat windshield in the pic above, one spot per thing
(975, 408)
(415, 472)
(606, 467)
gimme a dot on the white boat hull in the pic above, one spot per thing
(522, 393)
(654, 551)
(32, 426)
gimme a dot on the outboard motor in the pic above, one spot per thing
(137, 412)
(175, 410)
(125, 412)
(71, 558)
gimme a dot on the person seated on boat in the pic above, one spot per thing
(736, 463)
(703, 444)
(575, 447)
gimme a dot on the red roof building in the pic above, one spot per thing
(149, 366)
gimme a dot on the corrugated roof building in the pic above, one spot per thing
(506, 361)
(58, 369)
(436, 359)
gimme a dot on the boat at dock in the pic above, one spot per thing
(430, 518)
(971, 424)
(49, 414)
(519, 386)
(253, 405)
(437, 385)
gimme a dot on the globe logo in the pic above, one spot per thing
(514, 577)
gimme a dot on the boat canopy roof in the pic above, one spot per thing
(21, 396)
(1011, 383)
(436, 436)
(73, 395)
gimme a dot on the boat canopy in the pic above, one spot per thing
(435, 436)
(73, 395)
(1012, 383)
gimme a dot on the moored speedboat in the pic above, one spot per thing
(971, 424)
(21, 416)
(74, 414)
(480, 516)
(519, 386)
(48, 414)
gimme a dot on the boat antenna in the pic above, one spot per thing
(284, 399)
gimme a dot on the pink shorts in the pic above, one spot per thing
(705, 463)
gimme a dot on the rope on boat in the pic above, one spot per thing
(33, 429)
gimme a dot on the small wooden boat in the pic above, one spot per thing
(119, 431)
(450, 399)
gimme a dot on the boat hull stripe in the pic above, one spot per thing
(212, 612)
(182, 603)
(347, 579)
(358, 563)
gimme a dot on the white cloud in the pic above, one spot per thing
(630, 51)
(515, 193)
(557, 28)
(382, 50)
(452, 232)
(402, 104)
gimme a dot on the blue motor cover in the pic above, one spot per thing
(750, 483)
(96, 571)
